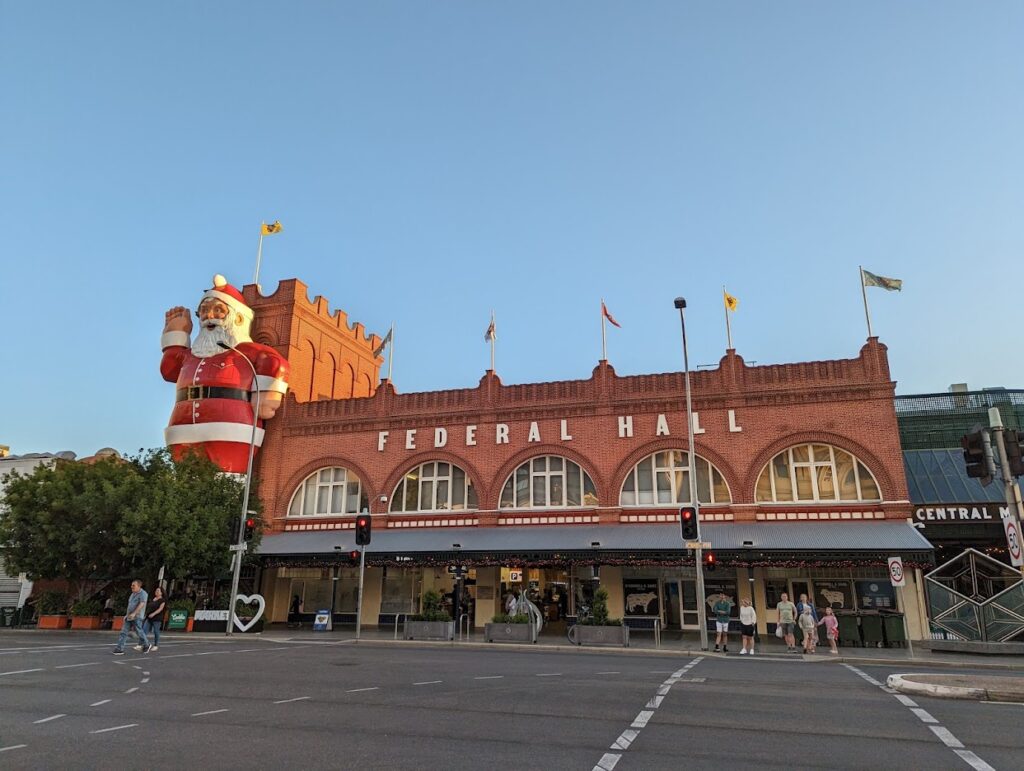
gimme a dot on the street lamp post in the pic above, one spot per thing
(240, 543)
(680, 303)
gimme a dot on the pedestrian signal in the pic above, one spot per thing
(710, 562)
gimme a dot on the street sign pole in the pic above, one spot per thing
(1010, 488)
(359, 602)
(899, 579)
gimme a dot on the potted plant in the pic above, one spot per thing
(120, 598)
(85, 614)
(433, 623)
(181, 614)
(510, 628)
(53, 608)
(598, 629)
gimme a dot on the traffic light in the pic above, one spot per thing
(249, 529)
(364, 524)
(710, 562)
(974, 456)
(688, 523)
(353, 556)
(1014, 451)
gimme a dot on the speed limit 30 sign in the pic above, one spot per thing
(896, 574)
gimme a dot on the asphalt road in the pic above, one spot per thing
(272, 704)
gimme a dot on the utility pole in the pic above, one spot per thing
(1011, 489)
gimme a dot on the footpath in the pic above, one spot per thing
(671, 645)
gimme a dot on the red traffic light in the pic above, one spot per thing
(364, 525)
(710, 561)
(249, 530)
(354, 555)
(688, 523)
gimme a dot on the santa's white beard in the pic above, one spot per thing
(226, 331)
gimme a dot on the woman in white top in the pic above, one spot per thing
(748, 621)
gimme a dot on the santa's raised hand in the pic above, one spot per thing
(178, 319)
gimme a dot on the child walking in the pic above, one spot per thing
(831, 629)
(808, 628)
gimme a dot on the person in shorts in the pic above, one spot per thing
(748, 623)
(722, 608)
(787, 621)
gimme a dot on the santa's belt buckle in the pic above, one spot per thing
(194, 392)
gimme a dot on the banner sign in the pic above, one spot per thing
(212, 615)
(322, 621)
(178, 619)
(641, 596)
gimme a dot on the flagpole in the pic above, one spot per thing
(864, 292)
(728, 329)
(391, 351)
(604, 335)
(493, 335)
(259, 256)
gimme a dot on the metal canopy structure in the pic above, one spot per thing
(975, 597)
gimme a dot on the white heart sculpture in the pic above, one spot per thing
(247, 599)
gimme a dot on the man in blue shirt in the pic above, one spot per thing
(133, 619)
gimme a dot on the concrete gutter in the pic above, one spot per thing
(975, 687)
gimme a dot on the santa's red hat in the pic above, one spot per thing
(228, 294)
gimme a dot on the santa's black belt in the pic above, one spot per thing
(193, 393)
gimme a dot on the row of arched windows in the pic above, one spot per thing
(804, 473)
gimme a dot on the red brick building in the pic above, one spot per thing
(799, 472)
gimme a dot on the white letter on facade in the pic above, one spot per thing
(566, 436)
(534, 435)
(501, 433)
(470, 436)
(625, 426)
(696, 424)
(382, 439)
(410, 439)
(440, 437)
(732, 422)
(662, 429)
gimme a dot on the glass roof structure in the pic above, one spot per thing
(940, 476)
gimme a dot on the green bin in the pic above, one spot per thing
(894, 629)
(849, 634)
(871, 628)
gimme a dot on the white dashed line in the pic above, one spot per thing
(607, 761)
(175, 656)
(944, 734)
(100, 703)
(360, 690)
(429, 682)
(609, 673)
(549, 674)
(21, 672)
(641, 719)
(146, 674)
(288, 701)
(136, 666)
(115, 728)
(489, 677)
(654, 703)
(144, 680)
(208, 712)
(72, 666)
(132, 690)
(48, 719)
(13, 747)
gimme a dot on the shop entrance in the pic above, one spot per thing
(550, 589)
(680, 603)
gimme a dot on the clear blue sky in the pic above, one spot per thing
(431, 161)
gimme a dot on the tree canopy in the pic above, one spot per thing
(119, 517)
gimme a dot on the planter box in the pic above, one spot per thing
(514, 633)
(53, 622)
(117, 623)
(600, 635)
(85, 622)
(430, 630)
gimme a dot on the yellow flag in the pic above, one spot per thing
(269, 230)
(730, 302)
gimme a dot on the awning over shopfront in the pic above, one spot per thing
(754, 542)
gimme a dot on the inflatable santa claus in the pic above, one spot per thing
(214, 374)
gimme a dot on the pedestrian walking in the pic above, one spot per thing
(748, 623)
(133, 619)
(831, 624)
(293, 612)
(722, 609)
(154, 617)
(802, 603)
(808, 627)
(787, 621)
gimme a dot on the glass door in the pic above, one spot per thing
(673, 606)
(688, 604)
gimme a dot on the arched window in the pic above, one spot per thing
(548, 482)
(435, 486)
(328, 492)
(816, 472)
(663, 479)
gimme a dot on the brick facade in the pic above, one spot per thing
(338, 409)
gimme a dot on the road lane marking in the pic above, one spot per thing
(13, 747)
(287, 701)
(429, 682)
(175, 656)
(100, 703)
(489, 677)
(944, 734)
(208, 712)
(144, 680)
(72, 666)
(114, 728)
(549, 674)
(627, 737)
(132, 690)
(609, 673)
(48, 719)
(21, 671)
(146, 674)
(360, 690)
(136, 666)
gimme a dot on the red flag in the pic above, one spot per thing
(607, 315)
